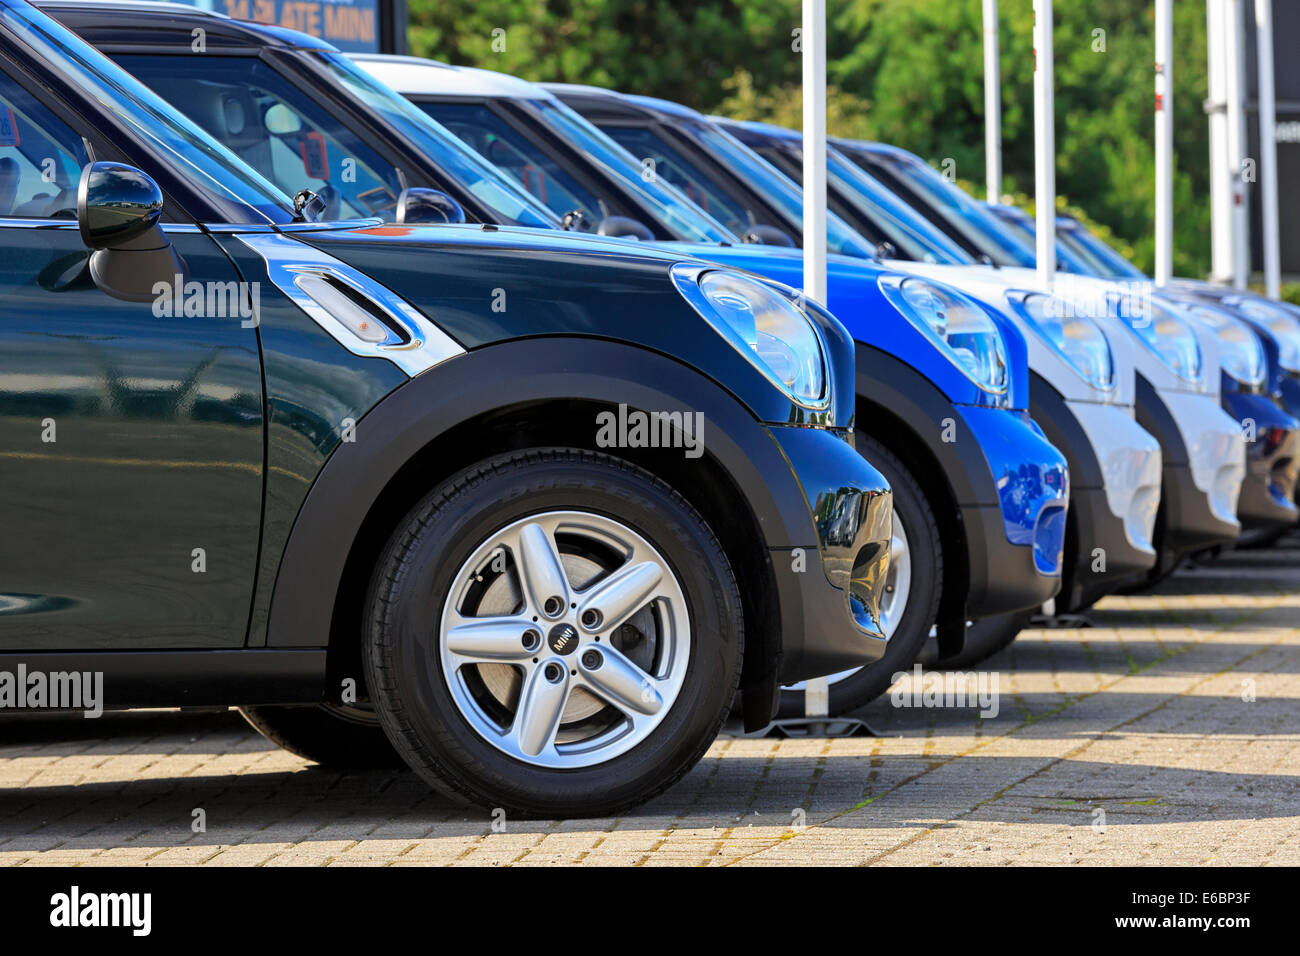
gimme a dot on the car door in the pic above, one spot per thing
(131, 433)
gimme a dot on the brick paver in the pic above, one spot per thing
(1167, 733)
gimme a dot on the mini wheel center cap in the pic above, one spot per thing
(563, 638)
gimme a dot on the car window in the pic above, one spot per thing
(685, 219)
(670, 165)
(275, 128)
(747, 166)
(40, 158)
(514, 154)
(915, 179)
(1100, 258)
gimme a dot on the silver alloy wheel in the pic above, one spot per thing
(893, 603)
(565, 639)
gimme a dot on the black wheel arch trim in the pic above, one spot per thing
(511, 375)
(908, 396)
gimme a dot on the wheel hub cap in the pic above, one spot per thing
(564, 639)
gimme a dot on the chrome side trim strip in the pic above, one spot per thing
(422, 345)
(6, 222)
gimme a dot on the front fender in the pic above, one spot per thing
(514, 374)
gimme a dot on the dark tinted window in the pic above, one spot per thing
(276, 128)
(671, 165)
(516, 155)
(40, 158)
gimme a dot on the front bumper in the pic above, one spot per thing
(1272, 461)
(1204, 465)
(1115, 471)
(830, 590)
(1016, 545)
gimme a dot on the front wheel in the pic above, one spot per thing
(555, 633)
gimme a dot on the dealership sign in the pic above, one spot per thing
(351, 25)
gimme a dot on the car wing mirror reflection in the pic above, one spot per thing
(119, 212)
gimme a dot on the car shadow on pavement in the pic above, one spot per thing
(303, 806)
(250, 792)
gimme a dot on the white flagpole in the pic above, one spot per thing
(1164, 142)
(816, 692)
(814, 149)
(1268, 148)
(1222, 190)
(1235, 63)
(1044, 143)
(992, 104)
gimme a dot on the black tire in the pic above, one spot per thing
(341, 738)
(868, 683)
(983, 639)
(411, 584)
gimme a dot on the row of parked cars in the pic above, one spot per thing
(429, 415)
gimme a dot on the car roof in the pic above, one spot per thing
(763, 129)
(131, 22)
(414, 75)
(880, 149)
(664, 106)
(598, 102)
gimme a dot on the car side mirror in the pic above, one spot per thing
(622, 227)
(417, 204)
(119, 209)
(768, 236)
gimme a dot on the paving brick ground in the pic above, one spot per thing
(1167, 733)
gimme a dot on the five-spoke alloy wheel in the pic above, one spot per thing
(565, 639)
(555, 632)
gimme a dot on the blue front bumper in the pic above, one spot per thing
(1019, 540)
(1272, 461)
(1032, 480)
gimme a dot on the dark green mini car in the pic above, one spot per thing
(521, 508)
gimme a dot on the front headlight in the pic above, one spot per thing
(1279, 322)
(763, 325)
(956, 324)
(1171, 338)
(1241, 354)
(1076, 338)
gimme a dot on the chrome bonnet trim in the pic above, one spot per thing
(413, 343)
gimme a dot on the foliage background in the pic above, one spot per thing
(908, 72)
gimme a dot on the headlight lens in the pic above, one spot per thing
(1078, 339)
(956, 324)
(765, 326)
(1171, 338)
(1241, 354)
(1278, 321)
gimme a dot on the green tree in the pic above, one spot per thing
(907, 72)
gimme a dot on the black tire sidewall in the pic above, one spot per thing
(428, 551)
(318, 734)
